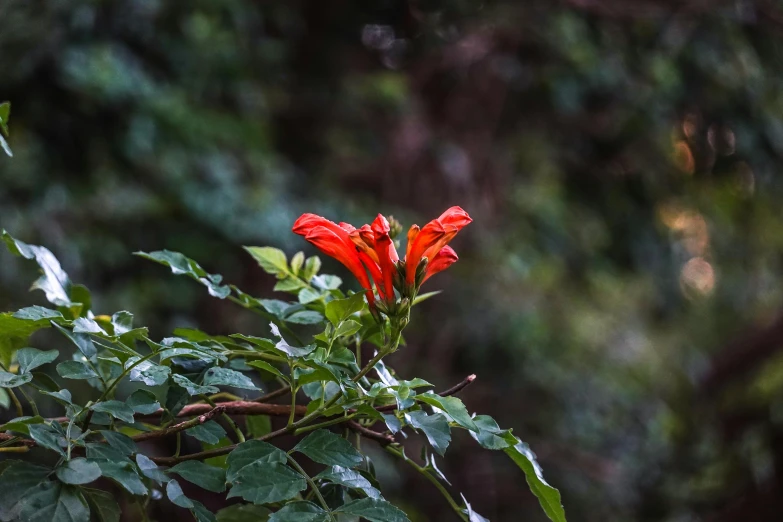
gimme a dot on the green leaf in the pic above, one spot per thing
(38, 313)
(31, 358)
(202, 475)
(12, 380)
(148, 373)
(54, 282)
(325, 447)
(301, 511)
(122, 322)
(548, 497)
(62, 396)
(78, 471)
(151, 470)
(339, 310)
(311, 267)
(75, 370)
(327, 282)
(271, 260)
(143, 402)
(308, 295)
(258, 425)
(5, 113)
(182, 265)
(305, 317)
(263, 365)
(286, 348)
(54, 502)
(124, 474)
(117, 409)
(6, 148)
(262, 483)
(490, 436)
(348, 327)
(177, 497)
(120, 442)
(423, 297)
(374, 510)
(103, 505)
(99, 452)
(350, 479)
(14, 334)
(266, 345)
(21, 424)
(210, 432)
(243, 513)
(452, 406)
(88, 326)
(201, 513)
(82, 341)
(46, 437)
(252, 451)
(217, 376)
(435, 427)
(191, 387)
(17, 482)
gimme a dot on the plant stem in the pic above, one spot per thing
(19, 410)
(234, 425)
(324, 424)
(15, 449)
(32, 403)
(312, 485)
(453, 503)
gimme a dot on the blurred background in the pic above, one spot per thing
(618, 294)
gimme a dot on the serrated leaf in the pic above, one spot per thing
(46, 437)
(286, 348)
(374, 510)
(31, 358)
(54, 502)
(177, 497)
(12, 380)
(151, 470)
(271, 260)
(435, 428)
(301, 511)
(210, 432)
(262, 483)
(350, 479)
(117, 409)
(147, 372)
(202, 475)
(548, 497)
(120, 442)
(143, 402)
(17, 481)
(82, 341)
(78, 471)
(102, 505)
(124, 474)
(22, 424)
(452, 406)
(75, 370)
(490, 436)
(305, 317)
(54, 282)
(250, 452)
(183, 265)
(263, 365)
(217, 376)
(338, 310)
(38, 313)
(325, 447)
(193, 388)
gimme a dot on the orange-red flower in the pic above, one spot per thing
(334, 240)
(371, 249)
(430, 241)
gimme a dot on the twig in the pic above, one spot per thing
(24, 442)
(382, 438)
(273, 395)
(201, 419)
(451, 391)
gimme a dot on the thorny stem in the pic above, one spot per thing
(312, 485)
(424, 471)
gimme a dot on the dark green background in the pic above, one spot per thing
(621, 161)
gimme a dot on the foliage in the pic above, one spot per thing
(140, 388)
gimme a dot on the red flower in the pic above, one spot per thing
(334, 240)
(430, 242)
(375, 242)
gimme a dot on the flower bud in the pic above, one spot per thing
(395, 227)
(421, 271)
